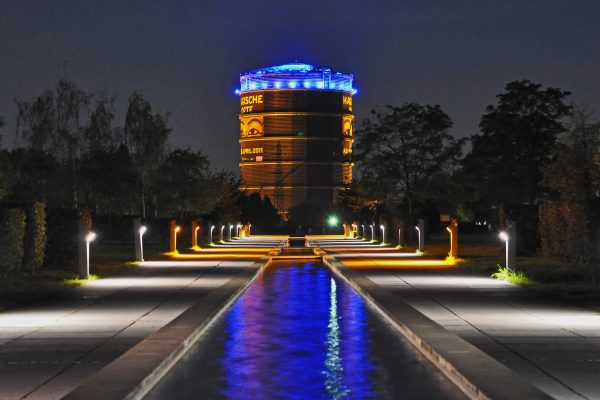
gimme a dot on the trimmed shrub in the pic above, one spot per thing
(565, 231)
(12, 230)
(62, 233)
(35, 237)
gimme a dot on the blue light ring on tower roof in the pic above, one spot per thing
(296, 76)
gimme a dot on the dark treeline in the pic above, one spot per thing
(533, 146)
(72, 153)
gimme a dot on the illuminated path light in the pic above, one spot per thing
(372, 232)
(195, 229)
(382, 227)
(230, 228)
(89, 238)
(141, 232)
(363, 230)
(211, 234)
(222, 228)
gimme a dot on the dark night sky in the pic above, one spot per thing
(186, 56)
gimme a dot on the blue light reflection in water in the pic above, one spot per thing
(299, 333)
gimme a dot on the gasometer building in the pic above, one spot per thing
(296, 133)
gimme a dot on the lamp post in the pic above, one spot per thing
(363, 226)
(89, 238)
(372, 232)
(509, 236)
(222, 228)
(421, 229)
(453, 231)
(230, 228)
(399, 237)
(505, 238)
(382, 227)
(212, 228)
(175, 232)
(195, 229)
(355, 228)
(141, 232)
(237, 230)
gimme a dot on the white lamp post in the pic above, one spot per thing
(222, 228)
(399, 237)
(382, 227)
(419, 231)
(372, 232)
(211, 233)
(506, 239)
(89, 238)
(363, 235)
(230, 228)
(141, 232)
(237, 230)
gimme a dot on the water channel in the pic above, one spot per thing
(300, 333)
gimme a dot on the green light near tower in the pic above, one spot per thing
(333, 221)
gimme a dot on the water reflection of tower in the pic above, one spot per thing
(296, 134)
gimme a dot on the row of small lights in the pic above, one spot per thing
(294, 85)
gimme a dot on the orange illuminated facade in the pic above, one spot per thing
(296, 134)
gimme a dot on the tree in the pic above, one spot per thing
(4, 166)
(2, 123)
(403, 152)
(36, 176)
(99, 134)
(181, 183)
(51, 123)
(516, 143)
(109, 181)
(146, 135)
(258, 211)
(575, 171)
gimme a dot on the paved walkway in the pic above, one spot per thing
(551, 343)
(47, 350)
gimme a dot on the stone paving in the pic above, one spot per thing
(49, 348)
(551, 343)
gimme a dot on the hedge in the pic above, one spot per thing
(35, 237)
(62, 234)
(12, 231)
(565, 231)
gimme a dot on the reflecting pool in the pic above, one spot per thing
(300, 333)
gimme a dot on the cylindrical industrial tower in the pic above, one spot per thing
(296, 134)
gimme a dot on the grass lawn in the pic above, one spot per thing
(484, 253)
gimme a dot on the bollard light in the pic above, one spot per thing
(176, 231)
(505, 238)
(419, 232)
(141, 232)
(222, 228)
(89, 238)
(212, 228)
(196, 229)
(372, 232)
(238, 228)
(399, 237)
(363, 226)
(382, 227)
(230, 228)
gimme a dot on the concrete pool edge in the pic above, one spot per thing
(477, 374)
(133, 374)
